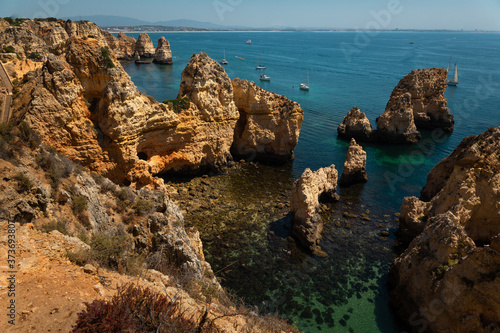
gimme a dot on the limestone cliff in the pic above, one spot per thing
(304, 205)
(269, 124)
(122, 45)
(448, 277)
(355, 125)
(354, 166)
(83, 103)
(426, 87)
(163, 54)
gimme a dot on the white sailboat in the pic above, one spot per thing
(305, 86)
(454, 82)
(224, 61)
(259, 66)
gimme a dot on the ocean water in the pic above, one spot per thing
(346, 291)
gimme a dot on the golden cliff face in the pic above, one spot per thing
(83, 103)
(447, 279)
(269, 124)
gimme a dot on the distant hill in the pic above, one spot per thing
(118, 21)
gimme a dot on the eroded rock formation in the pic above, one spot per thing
(416, 102)
(83, 103)
(269, 124)
(163, 54)
(448, 277)
(355, 125)
(144, 46)
(122, 45)
(354, 166)
(426, 87)
(396, 124)
(304, 205)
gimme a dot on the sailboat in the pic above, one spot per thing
(259, 66)
(264, 77)
(454, 82)
(224, 61)
(305, 86)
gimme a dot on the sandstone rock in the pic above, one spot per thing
(163, 54)
(269, 124)
(90, 269)
(144, 46)
(122, 45)
(304, 205)
(354, 166)
(447, 278)
(426, 87)
(396, 124)
(355, 125)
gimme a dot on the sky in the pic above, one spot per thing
(354, 14)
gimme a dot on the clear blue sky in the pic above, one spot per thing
(423, 14)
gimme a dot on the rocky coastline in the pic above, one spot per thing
(447, 278)
(417, 102)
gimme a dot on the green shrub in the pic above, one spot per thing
(142, 206)
(5, 130)
(9, 49)
(23, 182)
(28, 135)
(178, 104)
(110, 251)
(55, 225)
(35, 56)
(79, 203)
(105, 53)
(136, 309)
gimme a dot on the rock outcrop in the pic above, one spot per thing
(122, 45)
(426, 87)
(355, 166)
(84, 104)
(304, 205)
(396, 124)
(416, 102)
(144, 46)
(448, 277)
(269, 124)
(163, 54)
(355, 125)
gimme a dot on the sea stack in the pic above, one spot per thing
(396, 124)
(354, 166)
(426, 87)
(448, 277)
(269, 125)
(145, 48)
(355, 125)
(304, 205)
(163, 54)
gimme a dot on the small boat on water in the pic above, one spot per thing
(249, 41)
(264, 77)
(224, 61)
(259, 66)
(305, 86)
(239, 58)
(454, 82)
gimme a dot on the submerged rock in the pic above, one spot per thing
(447, 279)
(355, 125)
(269, 124)
(163, 54)
(304, 205)
(354, 166)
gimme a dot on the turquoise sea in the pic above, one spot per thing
(345, 292)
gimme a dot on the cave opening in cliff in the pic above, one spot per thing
(142, 156)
